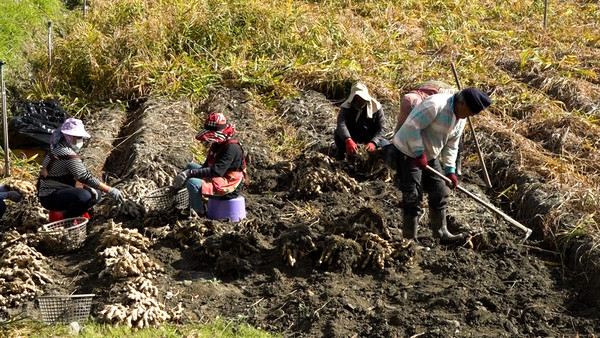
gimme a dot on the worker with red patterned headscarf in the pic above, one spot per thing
(224, 169)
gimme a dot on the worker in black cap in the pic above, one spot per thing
(430, 136)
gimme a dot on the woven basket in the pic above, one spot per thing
(65, 308)
(163, 199)
(63, 236)
(183, 199)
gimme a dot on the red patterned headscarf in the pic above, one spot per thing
(216, 129)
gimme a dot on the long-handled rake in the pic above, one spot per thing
(479, 153)
(487, 205)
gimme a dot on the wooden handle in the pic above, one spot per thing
(484, 203)
(486, 177)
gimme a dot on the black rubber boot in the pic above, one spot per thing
(410, 226)
(440, 227)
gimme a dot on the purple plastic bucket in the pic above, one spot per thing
(233, 209)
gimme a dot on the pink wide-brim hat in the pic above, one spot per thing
(74, 127)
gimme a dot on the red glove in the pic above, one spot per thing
(454, 183)
(351, 146)
(421, 161)
(371, 146)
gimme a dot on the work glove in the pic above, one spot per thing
(116, 194)
(453, 181)
(351, 146)
(14, 196)
(95, 194)
(421, 161)
(180, 179)
(371, 146)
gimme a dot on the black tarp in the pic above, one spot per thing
(33, 123)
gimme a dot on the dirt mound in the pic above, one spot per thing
(321, 252)
(313, 118)
(155, 142)
(105, 126)
(575, 93)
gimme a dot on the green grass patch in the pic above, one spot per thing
(23, 29)
(220, 327)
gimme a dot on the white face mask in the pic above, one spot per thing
(78, 145)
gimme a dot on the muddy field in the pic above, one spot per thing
(321, 252)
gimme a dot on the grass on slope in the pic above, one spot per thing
(133, 48)
(24, 29)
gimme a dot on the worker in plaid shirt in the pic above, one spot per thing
(430, 137)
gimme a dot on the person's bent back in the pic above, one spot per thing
(62, 170)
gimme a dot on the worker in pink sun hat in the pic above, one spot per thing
(62, 169)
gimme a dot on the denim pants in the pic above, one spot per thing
(415, 181)
(194, 188)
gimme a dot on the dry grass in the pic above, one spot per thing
(550, 175)
(181, 48)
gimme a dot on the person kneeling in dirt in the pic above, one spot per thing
(63, 172)
(224, 169)
(359, 121)
(12, 195)
(430, 136)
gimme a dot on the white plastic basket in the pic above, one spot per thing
(183, 199)
(65, 235)
(162, 199)
(65, 308)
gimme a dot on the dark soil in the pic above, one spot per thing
(492, 285)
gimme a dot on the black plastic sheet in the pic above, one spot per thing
(33, 123)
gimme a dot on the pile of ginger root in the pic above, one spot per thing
(125, 257)
(23, 270)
